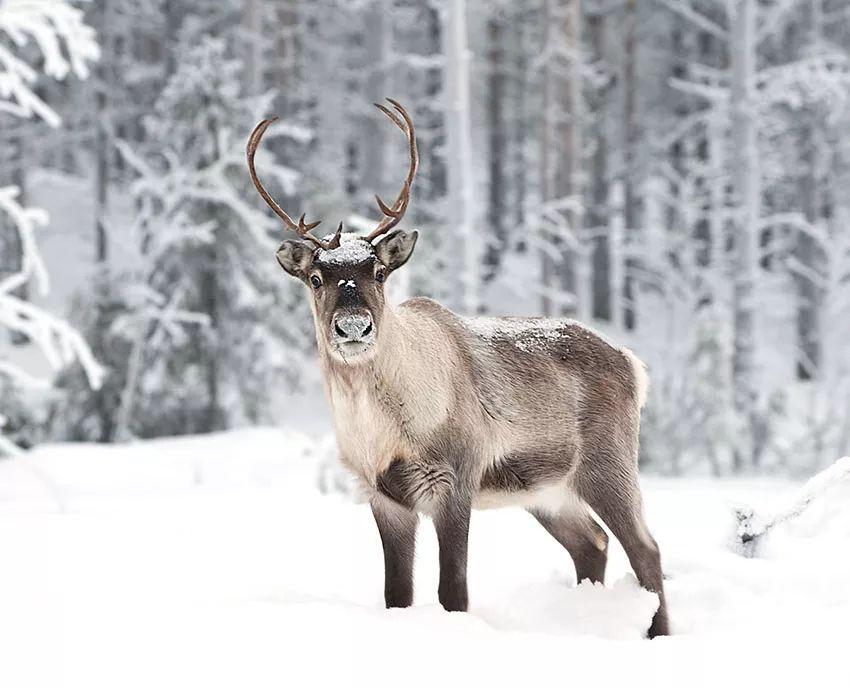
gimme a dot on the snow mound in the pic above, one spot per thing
(818, 513)
(619, 612)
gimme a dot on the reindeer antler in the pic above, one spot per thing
(394, 213)
(302, 228)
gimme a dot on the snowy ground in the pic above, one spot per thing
(216, 562)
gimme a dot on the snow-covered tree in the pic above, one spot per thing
(743, 196)
(204, 316)
(673, 171)
(38, 39)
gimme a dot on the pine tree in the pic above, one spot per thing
(206, 328)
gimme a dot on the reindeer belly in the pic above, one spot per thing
(532, 480)
(548, 498)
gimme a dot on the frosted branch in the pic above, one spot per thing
(799, 223)
(804, 271)
(66, 45)
(684, 10)
(712, 93)
(21, 378)
(7, 447)
(57, 340)
(774, 19)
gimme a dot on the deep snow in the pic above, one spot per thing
(216, 561)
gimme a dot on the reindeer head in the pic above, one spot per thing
(345, 273)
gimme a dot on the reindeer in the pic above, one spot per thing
(438, 414)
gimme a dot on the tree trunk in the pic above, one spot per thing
(496, 206)
(560, 162)
(253, 18)
(547, 182)
(103, 134)
(809, 337)
(459, 151)
(520, 122)
(16, 248)
(747, 185)
(598, 214)
(375, 153)
(630, 138)
(616, 258)
(210, 297)
(579, 282)
(808, 293)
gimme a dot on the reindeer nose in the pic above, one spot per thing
(353, 326)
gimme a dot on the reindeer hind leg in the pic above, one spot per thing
(617, 501)
(585, 540)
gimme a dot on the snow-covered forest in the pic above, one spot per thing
(674, 173)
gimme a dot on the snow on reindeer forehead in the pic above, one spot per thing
(352, 250)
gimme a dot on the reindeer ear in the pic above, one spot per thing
(295, 257)
(395, 249)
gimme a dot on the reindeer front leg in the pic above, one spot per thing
(431, 485)
(451, 520)
(397, 527)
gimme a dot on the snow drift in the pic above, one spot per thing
(217, 561)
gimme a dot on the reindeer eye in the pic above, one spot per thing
(315, 281)
(380, 276)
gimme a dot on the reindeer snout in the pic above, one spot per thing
(353, 327)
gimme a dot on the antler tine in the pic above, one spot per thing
(253, 144)
(385, 209)
(393, 214)
(406, 131)
(411, 134)
(334, 242)
(393, 116)
(302, 228)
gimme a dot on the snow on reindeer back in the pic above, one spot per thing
(529, 334)
(352, 250)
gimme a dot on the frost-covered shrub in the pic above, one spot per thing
(22, 419)
(78, 412)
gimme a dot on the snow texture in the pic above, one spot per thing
(527, 334)
(216, 561)
(532, 334)
(352, 250)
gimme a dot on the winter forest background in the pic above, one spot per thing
(674, 172)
